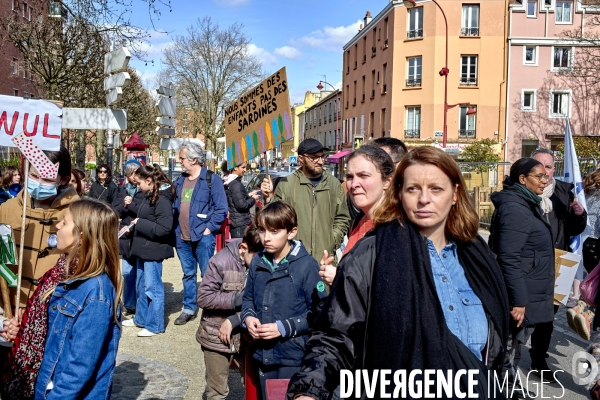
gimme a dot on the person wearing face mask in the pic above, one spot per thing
(48, 200)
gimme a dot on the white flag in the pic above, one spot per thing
(573, 175)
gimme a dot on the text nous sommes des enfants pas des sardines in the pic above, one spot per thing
(257, 103)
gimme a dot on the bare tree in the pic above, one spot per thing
(210, 67)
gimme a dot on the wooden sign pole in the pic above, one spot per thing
(22, 243)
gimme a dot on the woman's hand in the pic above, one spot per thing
(127, 200)
(254, 194)
(266, 188)
(253, 324)
(135, 221)
(225, 332)
(518, 314)
(11, 328)
(327, 271)
(268, 331)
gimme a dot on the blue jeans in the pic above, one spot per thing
(191, 255)
(128, 270)
(150, 308)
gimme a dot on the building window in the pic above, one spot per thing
(16, 92)
(364, 89)
(413, 78)
(560, 104)
(415, 23)
(382, 122)
(563, 12)
(470, 20)
(372, 124)
(384, 86)
(413, 122)
(184, 129)
(468, 71)
(466, 128)
(348, 62)
(530, 55)
(528, 100)
(356, 56)
(364, 59)
(562, 57)
(26, 95)
(15, 66)
(531, 9)
(354, 102)
(373, 84)
(386, 33)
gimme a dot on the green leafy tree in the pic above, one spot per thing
(481, 156)
(585, 147)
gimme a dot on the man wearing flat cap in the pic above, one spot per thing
(318, 198)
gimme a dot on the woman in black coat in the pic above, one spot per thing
(239, 200)
(522, 240)
(104, 189)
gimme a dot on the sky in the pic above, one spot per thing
(305, 36)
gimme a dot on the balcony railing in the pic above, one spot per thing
(413, 82)
(468, 81)
(415, 33)
(466, 133)
(412, 133)
(469, 32)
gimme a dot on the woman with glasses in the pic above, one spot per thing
(522, 240)
(104, 189)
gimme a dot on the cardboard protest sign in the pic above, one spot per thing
(7, 255)
(38, 119)
(259, 120)
(565, 267)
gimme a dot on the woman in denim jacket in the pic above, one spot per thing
(84, 311)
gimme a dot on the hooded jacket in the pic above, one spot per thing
(322, 212)
(521, 238)
(152, 237)
(38, 257)
(289, 294)
(222, 284)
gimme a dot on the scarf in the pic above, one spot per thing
(406, 327)
(25, 359)
(131, 189)
(528, 193)
(229, 178)
(546, 203)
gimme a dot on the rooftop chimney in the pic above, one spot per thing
(368, 18)
(360, 27)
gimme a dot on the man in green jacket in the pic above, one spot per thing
(318, 198)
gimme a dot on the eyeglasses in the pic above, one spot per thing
(102, 171)
(314, 159)
(541, 178)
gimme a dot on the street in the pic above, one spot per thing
(171, 365)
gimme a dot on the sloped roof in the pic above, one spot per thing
(135, 142)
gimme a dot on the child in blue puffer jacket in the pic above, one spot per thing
(282, 292)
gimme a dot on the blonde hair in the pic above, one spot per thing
(462, 224)
(98, 250)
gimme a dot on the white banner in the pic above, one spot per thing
(38, 119)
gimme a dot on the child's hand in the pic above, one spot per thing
(225, 332)
(268, 331)
(253, 324)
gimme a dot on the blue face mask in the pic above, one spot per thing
(40, 191)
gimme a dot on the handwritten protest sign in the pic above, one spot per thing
(565, 267)
(259, 120)
(38, 119)
(36, 156)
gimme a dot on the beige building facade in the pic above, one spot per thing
(322, 122)
(391, 73)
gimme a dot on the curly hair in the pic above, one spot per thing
(591, 181)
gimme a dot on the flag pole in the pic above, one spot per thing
(22, 243)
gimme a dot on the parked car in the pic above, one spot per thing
(254, 183)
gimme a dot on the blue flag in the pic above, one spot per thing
(573, 175)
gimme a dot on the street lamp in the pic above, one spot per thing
(443, 72)
(337, 114)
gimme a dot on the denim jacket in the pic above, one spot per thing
(82, 341)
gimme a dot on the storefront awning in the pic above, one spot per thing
(335, 158)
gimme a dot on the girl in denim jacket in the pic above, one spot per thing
(83, 311)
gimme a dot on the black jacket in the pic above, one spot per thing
(364, 326)
(105, 192)
(239, 203)
(127, 214)
(520, 237)
(562, 219)
(152, 237)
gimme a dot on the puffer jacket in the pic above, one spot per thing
(222, 285)
(127, 214)
(521, 238)
(239, 203)
(153, 237)
(322, 212)
(105, 192)
(38, 257)
(289, 294)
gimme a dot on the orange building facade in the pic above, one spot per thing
(391, 81)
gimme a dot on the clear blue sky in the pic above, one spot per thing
(305, 36)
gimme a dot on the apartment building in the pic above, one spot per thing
(544, 83)
(322, 120)
(391, 73)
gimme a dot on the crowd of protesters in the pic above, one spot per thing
(277, 285)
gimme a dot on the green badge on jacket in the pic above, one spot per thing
(321, 286)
